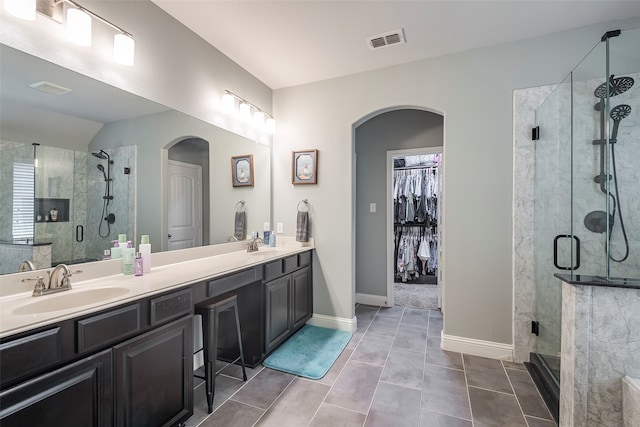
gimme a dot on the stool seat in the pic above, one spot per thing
(210, 311)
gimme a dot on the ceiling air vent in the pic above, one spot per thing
(50, 88)
(387, 39)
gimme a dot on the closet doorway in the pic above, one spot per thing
(414, 220)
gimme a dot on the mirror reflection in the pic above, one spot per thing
(80, 168)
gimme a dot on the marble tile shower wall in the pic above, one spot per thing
(588, 197)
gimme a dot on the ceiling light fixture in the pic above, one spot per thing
(261, 119)
(78, 24)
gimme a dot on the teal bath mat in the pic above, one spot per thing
(310, 352)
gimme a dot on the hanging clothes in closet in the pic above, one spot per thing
(415, 196)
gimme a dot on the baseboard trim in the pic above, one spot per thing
(490, 349)
(340, 323)
(368, 299)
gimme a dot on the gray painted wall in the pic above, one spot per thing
(394, 130)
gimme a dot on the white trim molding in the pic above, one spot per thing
(490, 349)
(340, 323)
(368, 299)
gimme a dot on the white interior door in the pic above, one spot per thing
(184, 205)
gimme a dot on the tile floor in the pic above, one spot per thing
(392, 373)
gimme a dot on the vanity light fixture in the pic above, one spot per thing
(23, 9)
(261, 119)
(78, 24)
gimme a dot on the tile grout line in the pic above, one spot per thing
(526, 423)
(466, 382)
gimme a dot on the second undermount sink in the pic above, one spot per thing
(69, 299)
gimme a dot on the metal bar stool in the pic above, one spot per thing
(210, 311)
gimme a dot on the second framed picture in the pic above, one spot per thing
(242, 171)
(304, 167)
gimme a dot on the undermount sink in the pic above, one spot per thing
(266, 251)
(69, 299)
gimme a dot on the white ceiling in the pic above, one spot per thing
(287, 43)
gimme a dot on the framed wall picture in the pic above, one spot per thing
(242, 171)
(304, 167)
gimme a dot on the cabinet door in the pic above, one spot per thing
(154, 376)
(77, 395)
(278, 314)
(302, 297)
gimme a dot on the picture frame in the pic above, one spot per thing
(304, 167)
(242, 171)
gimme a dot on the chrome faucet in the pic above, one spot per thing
(232, 239)
(252, 246)
(26, 265)
(59, 280)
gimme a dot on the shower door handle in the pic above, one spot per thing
(555, 251)
(79, 233)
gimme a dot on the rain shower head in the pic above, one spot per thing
(101, 155)
(614, 87)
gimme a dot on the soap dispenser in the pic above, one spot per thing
(128, 260)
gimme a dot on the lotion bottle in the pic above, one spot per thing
(138, 268)
(116, 250)
(128, 260)
(145, 251)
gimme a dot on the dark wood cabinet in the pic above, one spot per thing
(77, 395)
(288, 301)
(154, 377)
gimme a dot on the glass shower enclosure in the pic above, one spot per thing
(587, 197)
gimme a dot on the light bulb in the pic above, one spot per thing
(79, 27)
(123, 49)
(228, 103)
(245, 111)
(258, 118)
(23, 9)
(271, 125)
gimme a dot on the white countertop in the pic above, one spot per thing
(127, 288)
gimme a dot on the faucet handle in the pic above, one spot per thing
(39, 287)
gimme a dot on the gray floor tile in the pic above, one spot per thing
(411, 338)
(355, 387)
(415, 317)
(384, 325)
(394, 311)
(486, 373)
(373, 349)
(491, 408)
(296, 406)
(334, 416)
(365, 314)
(233, 414)
(394, 406)
(435, 313)
(530, 400)
(444, 391)
(355, 338)
(513, 365)
(435, 327)
(264, 389)
(336, 368)
(536, 422)
(437, 356)
(433, 419)
(404, 368)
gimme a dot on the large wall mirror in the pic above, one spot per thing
(79, 168)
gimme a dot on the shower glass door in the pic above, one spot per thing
(553, 201)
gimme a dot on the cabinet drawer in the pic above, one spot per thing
(234, 281)
(273, 269)
(107, 328)
(26, 355)
(171, 306)
(304, 259)
(290, 264)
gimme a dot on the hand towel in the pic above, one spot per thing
(302, 227)
(240, 230)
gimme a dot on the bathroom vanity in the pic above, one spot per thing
(126, 359)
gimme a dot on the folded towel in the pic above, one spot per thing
(302, 227)
(240, 228)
